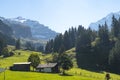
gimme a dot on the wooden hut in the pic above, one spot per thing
(22, 66)
(49, 67)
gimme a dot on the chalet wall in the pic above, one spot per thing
(21, 67)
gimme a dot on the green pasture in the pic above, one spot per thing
(73, 74)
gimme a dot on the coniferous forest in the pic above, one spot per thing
(95, 50)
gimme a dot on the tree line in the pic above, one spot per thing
(96, 50)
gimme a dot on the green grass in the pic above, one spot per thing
(77, 74)
(6, 62)
(86, 75)
(16, 75)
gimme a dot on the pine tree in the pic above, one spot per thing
(102, 47)
(58, 41)
(61, 49)
(66, 40)
(83, 43)
(49, 46)
(114, 57)
(2, 45)
(115, 27)
(18, 45)
(83, 48)
(29, 46)
(72, 37)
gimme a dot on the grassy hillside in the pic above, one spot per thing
(15, 75)
(76, 73)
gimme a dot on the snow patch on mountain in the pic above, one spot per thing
(38, 30)
(107, 19)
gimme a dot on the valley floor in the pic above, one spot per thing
(75, 73)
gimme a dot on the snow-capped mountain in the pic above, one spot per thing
(19, 30)
(18, 19)
(38, 31)
(107, 19)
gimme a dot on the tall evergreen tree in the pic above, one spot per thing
(66, 40)
(83, 48)
(114, 57)
(72, 37)
(18, 44)
(102, 47)
(29, 46)
(2, 45)
(115, 27)
(61, 49)
(58, 41)
(49, 46)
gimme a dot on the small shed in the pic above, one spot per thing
(22, 66)
(49, 67)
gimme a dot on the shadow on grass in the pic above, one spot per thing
(65, 74)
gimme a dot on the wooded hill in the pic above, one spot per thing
(95, 50)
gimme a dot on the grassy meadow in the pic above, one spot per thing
(74, 74)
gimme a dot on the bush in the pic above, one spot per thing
(5, 52)
(11, 53)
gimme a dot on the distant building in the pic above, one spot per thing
(22, 66)
(49, 67)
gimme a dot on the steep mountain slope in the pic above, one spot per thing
(19, 30)
(27, 28)
(6, 34)
(5, 29)
(107, 19)
(38, 30)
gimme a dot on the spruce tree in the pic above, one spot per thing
(2, 45)
(58, 41)
(66, 40)
(83, 48)
(115, 27)
(49, 46)
(102, 46)
(114, 57)
(18, 44)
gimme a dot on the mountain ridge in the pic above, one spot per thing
(107, 19)
(34, 28)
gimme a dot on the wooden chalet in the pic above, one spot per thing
(22, 66)
(49, 67)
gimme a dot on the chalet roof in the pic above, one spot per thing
(23, 63)
(48, 65)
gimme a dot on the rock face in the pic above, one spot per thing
(6, 34)
(18, 30)
(26, 28)
(107, 19)
(40, 31)
(21, 31)
(5, 29)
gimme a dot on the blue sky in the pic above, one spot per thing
(59, 15)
